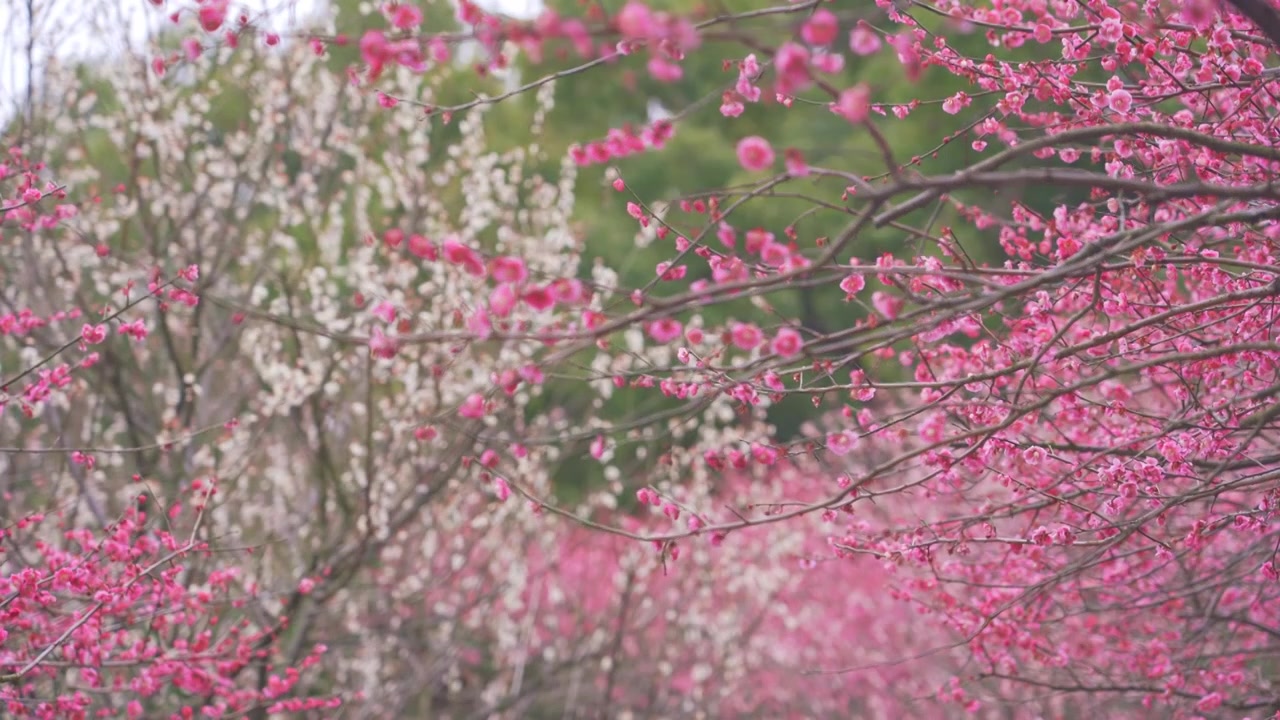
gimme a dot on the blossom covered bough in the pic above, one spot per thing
(1044, 485)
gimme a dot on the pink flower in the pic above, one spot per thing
(1112, 30)
(480, 324)
(745, 337)
(887, 305)
(385, 311)
(829, 63)
(786, 343)
(212, 14)
(854, 104)
(501, 489)
(757, 238)
(405, 16)
(863, 40)
(569, 291)
(755, 153)
(508, 269)
(1041, 536)
(598, 446)
(821, 28)
(669, 274)
(635, 21)
(539, 298)
(796, 165)
(727, 235)
(459, 254)
(731, 270)
(503, 300)
(905, 44)
(841, 443)
(93, 334)
(665, 330)
(591, 319)
(382, 346)
(1209, 702)
(472, 407)
(1120, 100)
(1197, 13)
(955, 103)
(373, 50)
(853, 285)
(774, 254)
(422, 247)
(791, 63)
(509, 381)
(439, 51)
(731, 105)
(664, 70)
(746, 89)
(1034, 455)
(136, 330)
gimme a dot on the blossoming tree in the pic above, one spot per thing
(283, 287)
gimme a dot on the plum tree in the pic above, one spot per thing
(915, 358)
